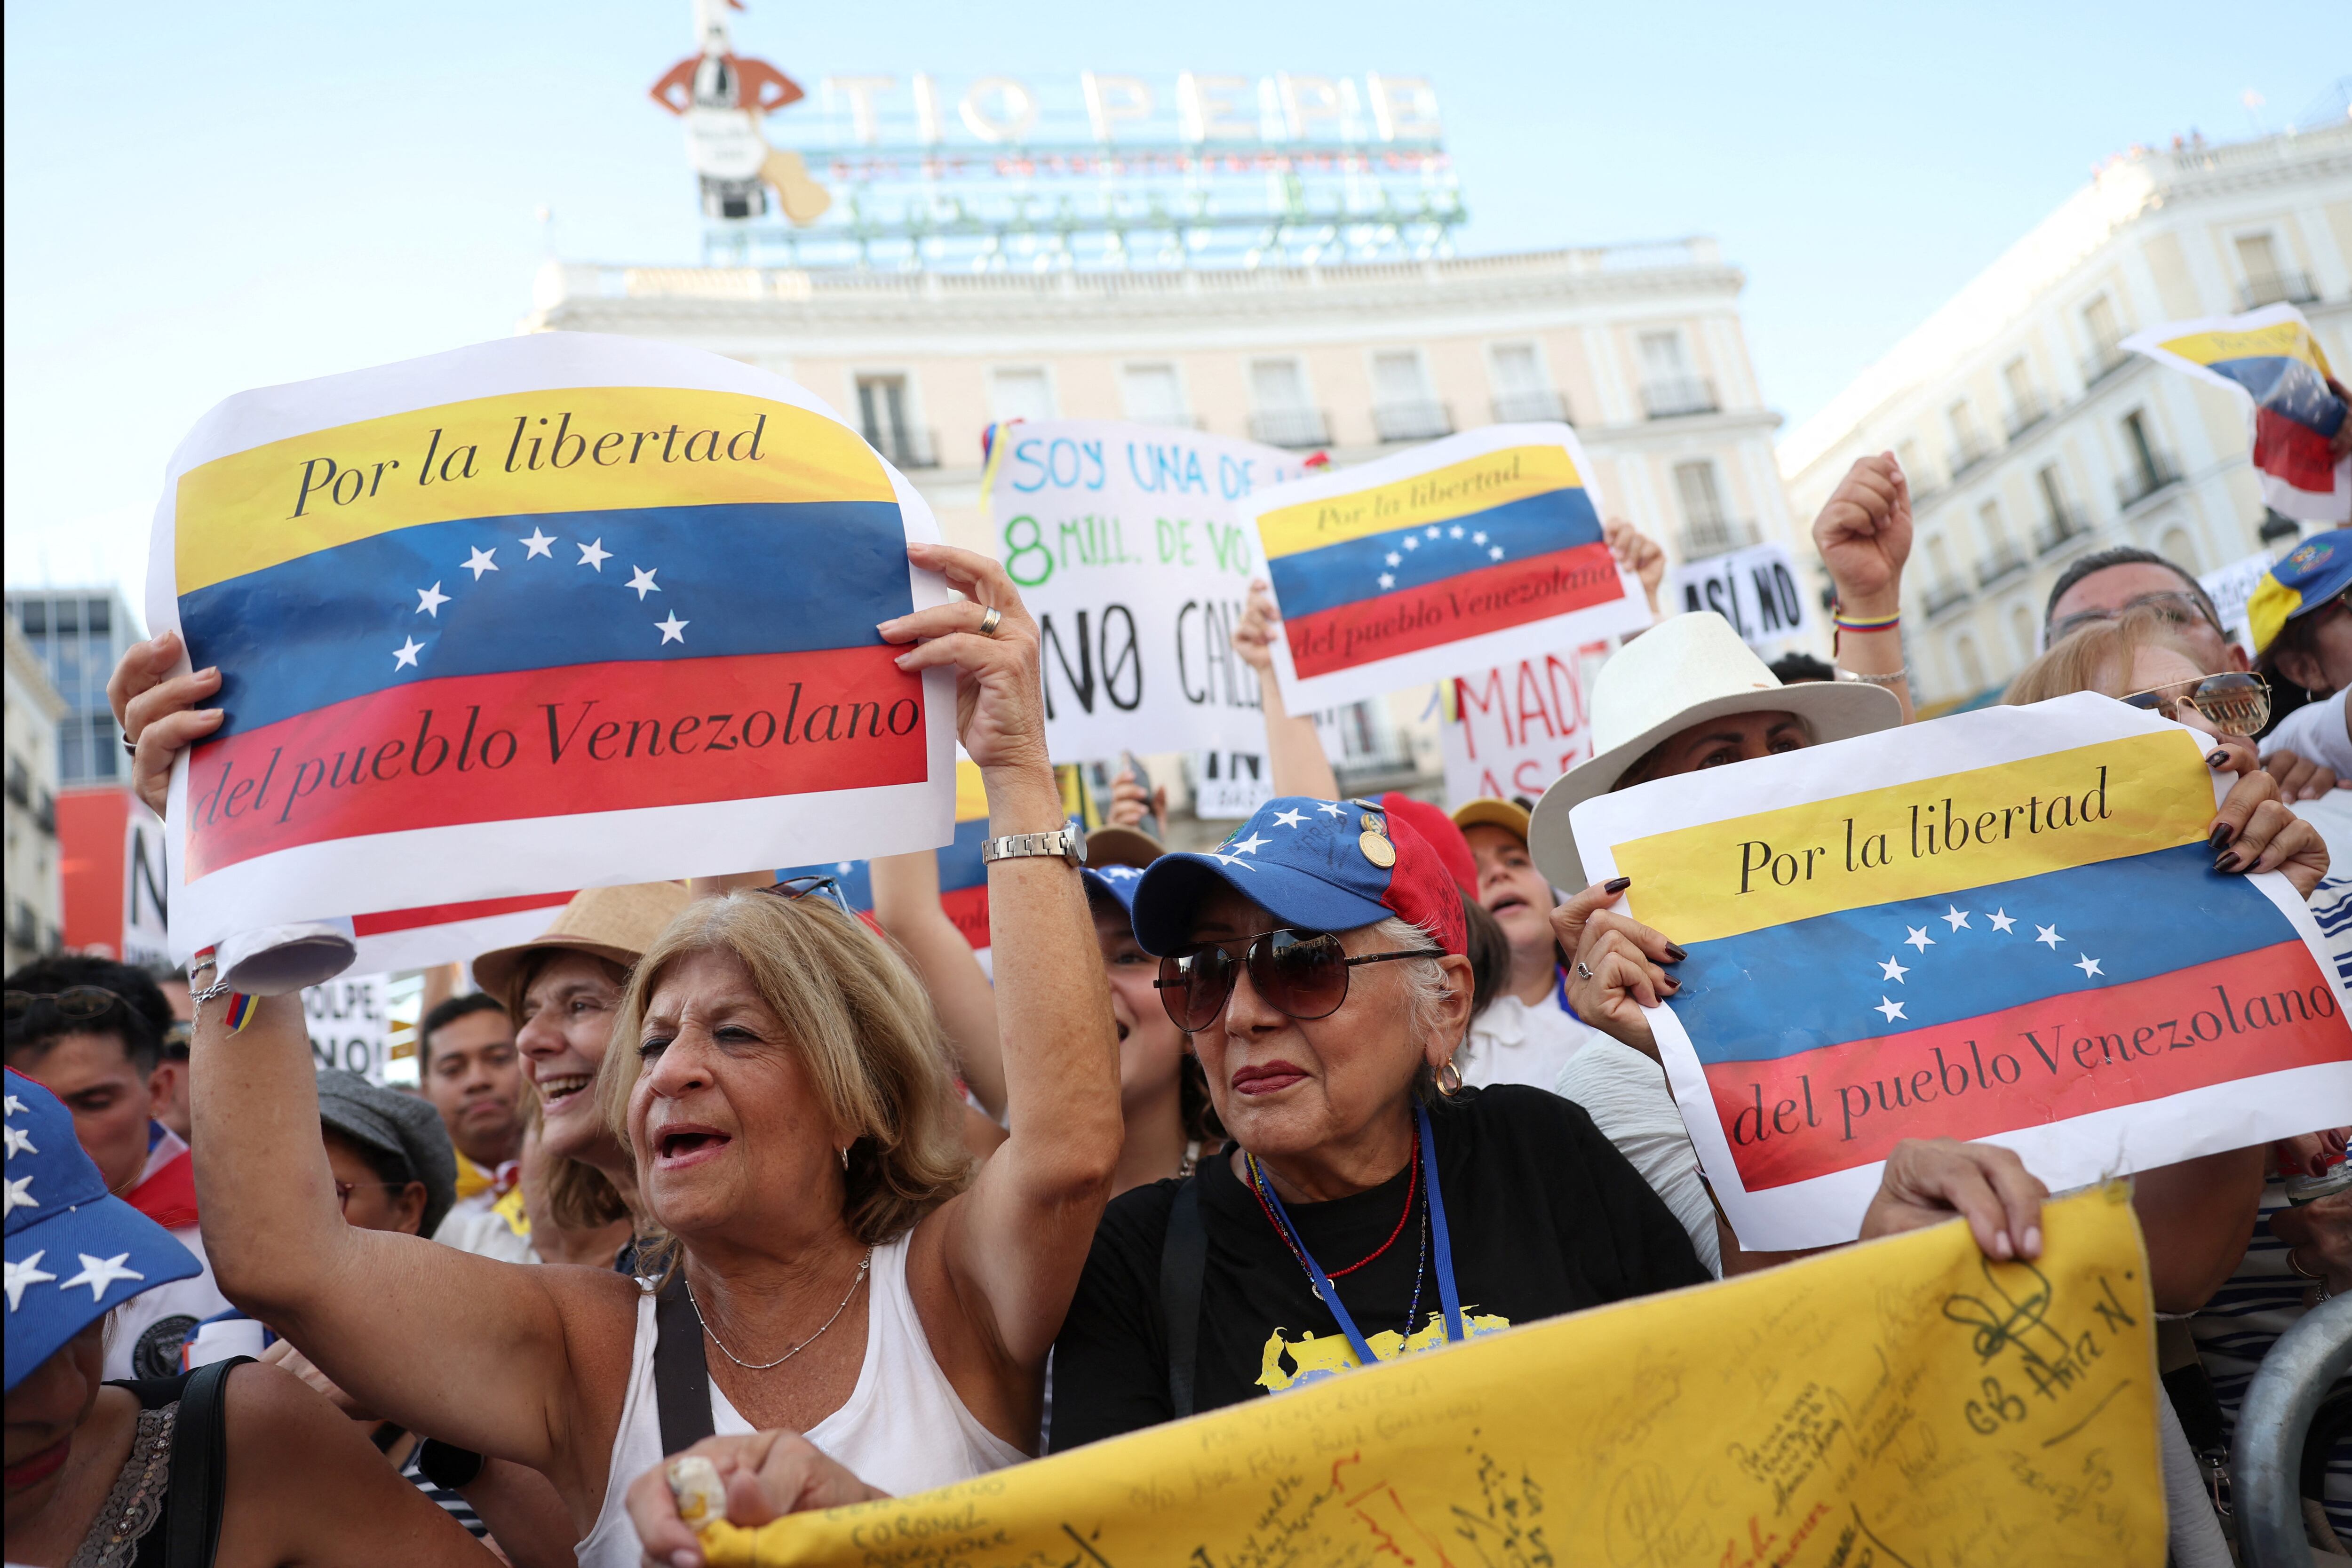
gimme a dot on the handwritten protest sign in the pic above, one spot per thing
(1904, 1402)
(558, 603)
(1127, 545)
(2003, 925)
(1512, 731)
(2271, 361)
(1759, 590)
(349, 1021)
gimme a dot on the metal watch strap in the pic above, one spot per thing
(1023, 845)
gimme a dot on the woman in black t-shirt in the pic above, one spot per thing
(1316, 961)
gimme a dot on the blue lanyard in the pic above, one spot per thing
(1447, 1295)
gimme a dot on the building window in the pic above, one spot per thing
(2025, 409)
(884, 414)
(1669, 386)
(1402, 407)
(2106, 335)
(2022, 632)
(1997, 557)
(1707, 529)
(2147, 467)
(1154, 395)
(2268, 281)
(1020, 393)
(1971, 664)
(1914, 467)
(2180, 549)
(1969, 445)
(1523, 393)
(1281, 414)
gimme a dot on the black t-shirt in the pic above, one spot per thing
(1546, 1217)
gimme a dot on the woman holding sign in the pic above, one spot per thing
(777, 1077)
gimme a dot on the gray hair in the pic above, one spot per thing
(1425, 980)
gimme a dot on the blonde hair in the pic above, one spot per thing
(2088, 661)
(864, 1027)
(579, 1196)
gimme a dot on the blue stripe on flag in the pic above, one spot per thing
(1322, 579)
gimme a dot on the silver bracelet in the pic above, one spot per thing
(1866, 678)
(213, 993)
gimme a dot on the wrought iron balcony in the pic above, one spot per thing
(1671, 396)
(2102, 361)
(1534, 407)
(2005, 560)
(906, 448)
(1291, 428)
(1415, 421)
(2155, 471)
(1943, 594)
(2276, 289)
(1715, 536)
(2030, 411)
(1973, 449)
(2060, 528)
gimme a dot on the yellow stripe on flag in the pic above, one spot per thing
(972, 794)
(2284, 339)
(1921, 840)
(598, 448)
(1489, 479)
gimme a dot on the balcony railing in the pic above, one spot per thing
(1942, 595)
(2030, 411)
(1534, 407)
(1672, 396)
(906, 448)
(2155, 471)
(1715, 536)
(1291, 428)
(45, 816)
(1973, 449)
(1416, 421)
(2276, 289)
(2102, 361)
(2004, 560)
(2060, 528)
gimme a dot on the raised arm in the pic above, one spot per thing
(907, 903)
(1864, 536)
(1294, 752)
(1009, 1250)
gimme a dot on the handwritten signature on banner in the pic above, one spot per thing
(1900, 1403)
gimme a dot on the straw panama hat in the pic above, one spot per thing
(1684, 672)
(614, 923)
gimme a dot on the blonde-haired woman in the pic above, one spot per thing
(791, 1118)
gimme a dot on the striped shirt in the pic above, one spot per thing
(449, 1502)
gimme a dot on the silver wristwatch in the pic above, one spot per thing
(1067, 843)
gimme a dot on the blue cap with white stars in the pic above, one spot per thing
(75, 1251)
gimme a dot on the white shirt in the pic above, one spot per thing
(144, 1339)
(1625, 1094)
(2315, 732)
(1512, 1042)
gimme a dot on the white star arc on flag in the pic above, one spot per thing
(538, 543)
(2089, 966)
(1919, 938)
(672, 629)
(1893, 970)
(430, 600)
(2049, 937)
(643, 582)
(404, 656)
(481, 561)
(1892, 1010)
(2001, 919)
(1956, 918)
(593, 553)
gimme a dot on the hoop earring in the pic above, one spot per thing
(1449, 1070)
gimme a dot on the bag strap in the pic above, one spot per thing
(681, 1379)
(1183, 1261)
(199, 1485)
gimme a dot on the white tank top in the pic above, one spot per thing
(902, 1429)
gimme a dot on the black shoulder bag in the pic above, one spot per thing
(199, 1485)
(681, 1379)
(1183, 1261)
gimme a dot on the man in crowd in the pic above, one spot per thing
(472, 1073)
(2104, 584)
(87, 1029)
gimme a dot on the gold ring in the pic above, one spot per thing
(991, 621)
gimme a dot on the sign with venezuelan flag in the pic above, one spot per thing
(2002, 926)
(2270, 359)
(1476, 551)
(558, 611)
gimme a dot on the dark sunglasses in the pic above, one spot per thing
(2234, 704)
(73, 1001)
(793, 889)
(1301, 974)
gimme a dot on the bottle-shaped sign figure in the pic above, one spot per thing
(722, 97)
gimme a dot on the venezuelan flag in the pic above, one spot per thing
(1495, 541)
(2284, 370)
(537, 604)
(1975, 954)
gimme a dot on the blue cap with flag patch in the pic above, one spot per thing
(1117, 883)
(2313, 573)
(1320, 865)
(75, 1251)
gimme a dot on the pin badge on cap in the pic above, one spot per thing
(1375, 844)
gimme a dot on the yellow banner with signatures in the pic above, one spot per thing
(1901, 1402)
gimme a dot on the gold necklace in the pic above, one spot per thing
(865, 1264)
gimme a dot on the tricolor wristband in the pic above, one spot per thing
(1846, 623)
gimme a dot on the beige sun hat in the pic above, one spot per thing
(1684, 672)
(1110, 845)
(617, 924)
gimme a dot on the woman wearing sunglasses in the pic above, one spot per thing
(777, 1077)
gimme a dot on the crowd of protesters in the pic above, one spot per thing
(724, 1165)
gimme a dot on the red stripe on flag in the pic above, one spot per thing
(1846, 1105)
(968, 909)
(446, 914)
(2288, 449)
(551, 743)
(1512, 594)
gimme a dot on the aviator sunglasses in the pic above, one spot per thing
(1301, 974)
(73, 1001)
(2234, 704)
(792, 890)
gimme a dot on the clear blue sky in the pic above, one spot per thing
(204, 198)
